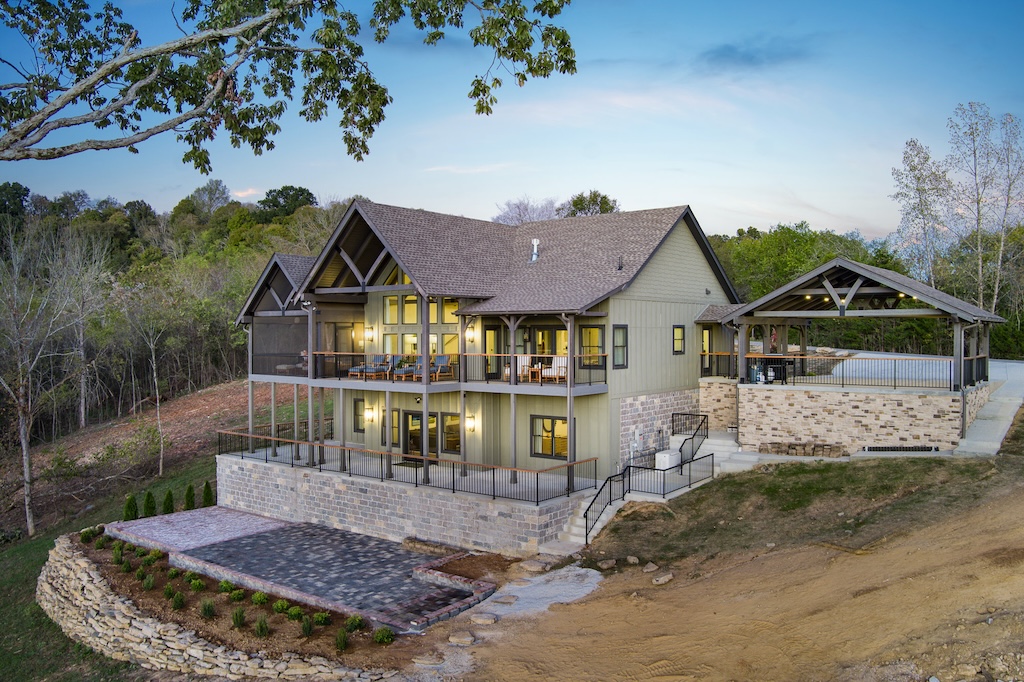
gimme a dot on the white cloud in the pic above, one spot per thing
(468, 170)
(246, 193)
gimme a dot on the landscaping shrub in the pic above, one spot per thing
(321, 618)
(353, 623)
(197, 585)
(148, 505)
(207, 495)
(341, 639)
(116, 554)
(238, 618)
(225, 586)
(261, 629)
(307, 626)
(148, 582)
(168, 591)
(260, 598)
(189, 576)
(280, 606)
(237, 595)
(131, 508)
(207, 609)
(126, 565)
(173, 573)
(168, 507)
(295, 613)
(178, 601)
(148, 560)
(141, 551)
(140, 573)
(190, 497)
(383, 635)
(87, 535)
(102, 542)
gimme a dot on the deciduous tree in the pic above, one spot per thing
(587, 203)
(526, 210)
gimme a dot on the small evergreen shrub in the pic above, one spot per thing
(178, 601)
(168, 507)
(118, 544)
(148, 560)
(173, 573)
(197, 585)
(141, 551)
(131, 508)
(140, 573)
(129, 548)
(321, 618)
(189, 576)
(116, 554)
(341, 639)
(126, 565)
(148, 505)
(383, 635)
(148, 582)
(207, 495)
(225, 586)
(280, 606)
(353, 623)
(307, 626)
(190, 497)
(295, 613)
(260, 598)
(156, 554)
(237, 595)
(168, 591)
(87, 535)
(102, 542)
(207, 609)
(238, 618)
(261, 629)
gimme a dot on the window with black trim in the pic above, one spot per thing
(359, 415)
(451, 436)
(592, 347)
(390, 310)
(549, 437)
(620, 346)
(678, 339)
(410, 309)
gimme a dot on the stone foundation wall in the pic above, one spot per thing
(390, 510)
(976, 397)
(854, 418)
(718, 402)
(640, 418)
(75, 596)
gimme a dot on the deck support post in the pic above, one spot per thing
(295, 423)
(958, 355)
(425, 379)
(273, 419)
(388, 427)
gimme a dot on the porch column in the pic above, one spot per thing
(512, 430)
(425, 379)
(386, 421)
(323, 424)
(463, 325)
(310, 373)
(803, 350)
(273, 418)
(513, 322)
(744, 348)
(252, 415)
(958, 355)
(339, 428)
(570, 420)
(310, 424)
(295, 425)
(462, 431)
(983, 341)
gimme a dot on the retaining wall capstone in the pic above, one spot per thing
(73, 593)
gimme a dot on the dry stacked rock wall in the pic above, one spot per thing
(74, 595)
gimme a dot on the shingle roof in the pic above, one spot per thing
(715, 313)
(295, 267)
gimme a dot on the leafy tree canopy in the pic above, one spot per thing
(284, 201)
(235, 68)
(587, 203)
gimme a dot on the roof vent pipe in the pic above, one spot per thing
(536, 250)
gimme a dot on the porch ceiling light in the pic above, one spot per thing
(826, 299)
(470, 422)
(902, 295)
(807, 296)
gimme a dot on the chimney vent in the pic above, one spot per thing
(536, 250)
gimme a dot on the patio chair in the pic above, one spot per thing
(410, 372)
(370, 363)
(384, 369)
(558, 371)
(522, 365)
(442, 368)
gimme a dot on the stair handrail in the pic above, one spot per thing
(694, 424)
(591, 521)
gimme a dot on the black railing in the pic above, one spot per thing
(280, 364)
(718, 364)
(975, 370)
(646, 480)
(524, 485)
(695, 428)
(287, 429)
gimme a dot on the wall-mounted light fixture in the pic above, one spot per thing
(368, 415)
(369, 334)
(470, 422)
(470, 334)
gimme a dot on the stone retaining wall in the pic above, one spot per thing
(641, 416)
(388, 510)
(718, 402)
(74, 595)
(857, 418)
(976, 397)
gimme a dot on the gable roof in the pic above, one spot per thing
(582, 261)
(294, 268)
(881, 289)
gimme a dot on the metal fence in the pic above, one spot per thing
(695, 427)
(524, 485)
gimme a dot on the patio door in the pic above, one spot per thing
(705, 352)
(495, 350)
(412, 444)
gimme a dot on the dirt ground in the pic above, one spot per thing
(945, 600)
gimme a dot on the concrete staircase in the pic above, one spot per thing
(574, 537)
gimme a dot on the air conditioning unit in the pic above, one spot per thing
(666, 459)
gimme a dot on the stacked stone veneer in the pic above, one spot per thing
(976, 397)
(851, 419)
(74, 595)
(642, 416)
(390, 510)
(718, 402)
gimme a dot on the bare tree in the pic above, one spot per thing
(35, 310)
(525, 210)
(922, 189)
(85, 269)
(1009, 181)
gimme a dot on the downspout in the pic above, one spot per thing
(251, 392)
(425, 379)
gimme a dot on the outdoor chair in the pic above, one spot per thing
(409, 372)
(370, 364)
(384, 369)
(442, 368)
(558, 371)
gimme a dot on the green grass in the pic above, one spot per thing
(32, 647)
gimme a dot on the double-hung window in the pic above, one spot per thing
(620, 346)
(549, 437)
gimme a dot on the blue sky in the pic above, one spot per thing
(753, 113)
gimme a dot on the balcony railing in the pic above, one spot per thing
(819, 370)
(523, 368)
(524, 485)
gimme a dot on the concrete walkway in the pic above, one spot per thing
(986, 434)
(323, 567)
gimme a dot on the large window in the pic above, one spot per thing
(620, 346)
(390, 343)
(390, 310)
(678, 339)
(448, 308)
(452, 434)
(591, 346)
(359, 415)
(410, 344)
(410, 309)
(450, 344)
(549, 437)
